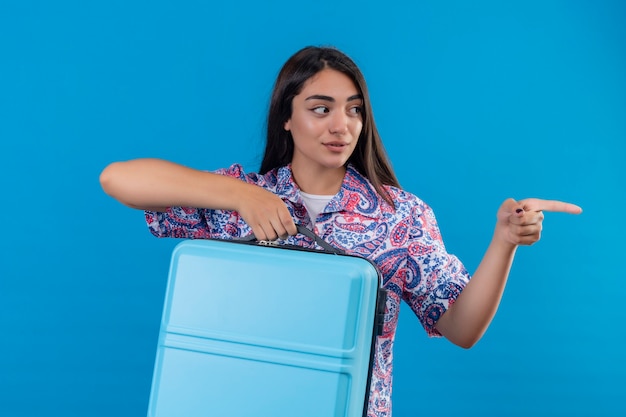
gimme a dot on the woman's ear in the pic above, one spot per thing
(287, 125)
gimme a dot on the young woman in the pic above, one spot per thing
(325, 168)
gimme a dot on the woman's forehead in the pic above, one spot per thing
(330, 82)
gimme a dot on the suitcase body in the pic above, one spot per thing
(249, 330)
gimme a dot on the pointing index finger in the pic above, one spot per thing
(536, 204)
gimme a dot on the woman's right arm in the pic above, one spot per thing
(155, 184)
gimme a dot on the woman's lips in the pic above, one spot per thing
(336, 146)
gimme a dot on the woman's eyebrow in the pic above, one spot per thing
(320, 97)
(331, 99)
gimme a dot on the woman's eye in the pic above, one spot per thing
(320, 109)
(356, 109)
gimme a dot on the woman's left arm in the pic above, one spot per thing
(518, 223)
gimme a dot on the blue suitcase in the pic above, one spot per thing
(253, 330)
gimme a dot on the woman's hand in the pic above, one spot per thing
(264, 212)
(520, 222)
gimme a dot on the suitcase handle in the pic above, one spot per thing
(303, 231)
(321, 242)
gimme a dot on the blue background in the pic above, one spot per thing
(476, 102)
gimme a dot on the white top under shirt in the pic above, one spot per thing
(315, 203)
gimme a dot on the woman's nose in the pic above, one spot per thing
(338, 124)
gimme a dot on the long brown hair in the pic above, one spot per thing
(369, 156)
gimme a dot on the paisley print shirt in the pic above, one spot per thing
(404, 243)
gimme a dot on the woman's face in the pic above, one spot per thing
(325, 122)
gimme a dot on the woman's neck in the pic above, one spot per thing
(319, 182)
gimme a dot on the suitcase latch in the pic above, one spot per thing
(268, 242)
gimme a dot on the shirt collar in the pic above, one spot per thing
(356, 196)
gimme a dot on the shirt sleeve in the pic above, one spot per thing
(201, 223)
(436, 277)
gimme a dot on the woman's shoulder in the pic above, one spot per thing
(403, 200)
(237, 170)
(402, 196)
(406, 202)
